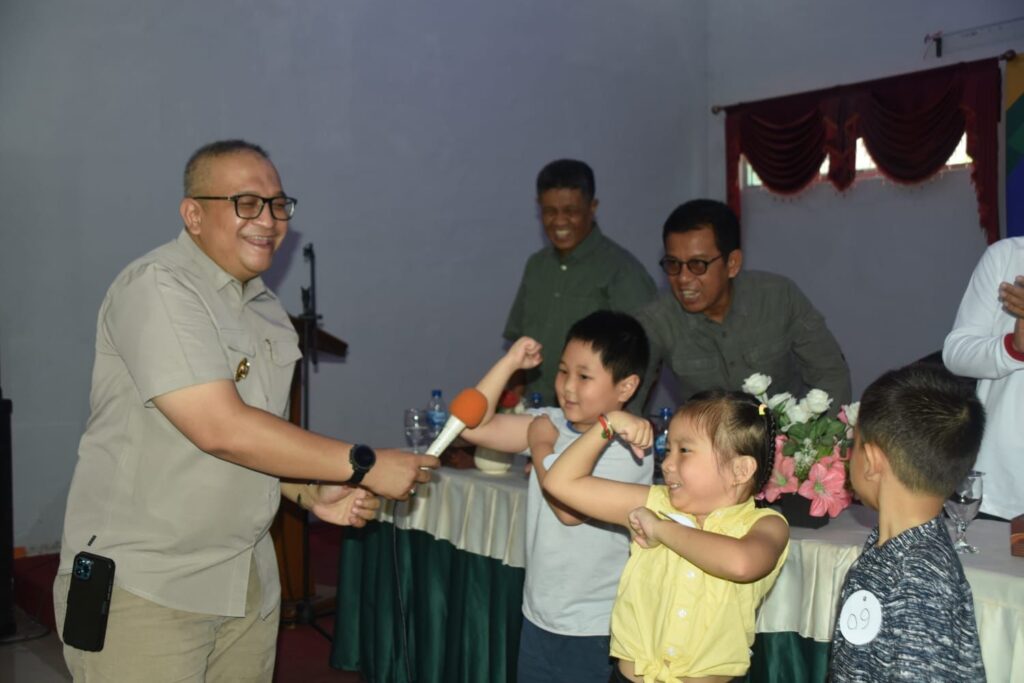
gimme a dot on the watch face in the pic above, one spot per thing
(363, 457)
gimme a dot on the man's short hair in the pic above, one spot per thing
(567, 174)
(618, 339)
(927, 421)
(706, 213)
(195, 168)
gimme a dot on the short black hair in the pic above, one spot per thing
(927, 421)
(618, 339)
(568, 174)
(706, 213)
(195, 167)
(736, 423)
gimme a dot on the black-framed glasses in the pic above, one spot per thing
(250, 206)
(697, 266)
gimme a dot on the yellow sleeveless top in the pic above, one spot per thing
(672, 620)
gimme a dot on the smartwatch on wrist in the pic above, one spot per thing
(362, 458)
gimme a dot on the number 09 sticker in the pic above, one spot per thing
(860, 619)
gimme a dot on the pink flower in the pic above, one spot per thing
(783, 479)
(842, 416)
(838, 454)
(780, 441)
(825, 487)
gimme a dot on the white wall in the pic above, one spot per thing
(887, 265)
(410, 132)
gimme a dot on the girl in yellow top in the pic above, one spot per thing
(703, 556)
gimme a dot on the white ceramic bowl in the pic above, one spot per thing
(492, 462)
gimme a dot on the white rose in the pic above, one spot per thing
(817, 401)
(798, 413)
(757, 384)
(852, 411)
(780, 400)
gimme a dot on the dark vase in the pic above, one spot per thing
(797, 511)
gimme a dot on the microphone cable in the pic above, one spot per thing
(398, 594)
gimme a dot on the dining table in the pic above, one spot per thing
(432, 591)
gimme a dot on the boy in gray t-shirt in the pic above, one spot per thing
(906, 612)
(572, 565)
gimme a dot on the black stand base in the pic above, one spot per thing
(305, 612)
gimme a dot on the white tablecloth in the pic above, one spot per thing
(804, 596)
(484, 514)
(480, 513)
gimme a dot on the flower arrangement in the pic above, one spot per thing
(811, 448)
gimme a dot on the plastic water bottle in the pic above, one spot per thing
(661, 440)
(536, 400)
(437, 413)
(661, 443)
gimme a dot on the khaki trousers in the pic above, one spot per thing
(147, 642)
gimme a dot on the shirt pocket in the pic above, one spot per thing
(697, 372)
(772, 358)
(240, 353)
(284, 353)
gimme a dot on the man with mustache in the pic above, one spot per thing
(720, 324)
(179, 470)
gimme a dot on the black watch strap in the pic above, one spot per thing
(362, 458)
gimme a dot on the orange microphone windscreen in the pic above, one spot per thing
(470, 406)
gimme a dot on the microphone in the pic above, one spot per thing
(468, 410)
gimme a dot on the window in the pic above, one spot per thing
(865, 165)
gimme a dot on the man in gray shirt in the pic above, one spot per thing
(718, 324)
(179, 470)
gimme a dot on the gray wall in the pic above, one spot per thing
(411, 133)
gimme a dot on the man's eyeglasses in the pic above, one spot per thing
(250, 206)
(697, 266)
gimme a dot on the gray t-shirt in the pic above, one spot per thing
(572, 572)
(928, 629)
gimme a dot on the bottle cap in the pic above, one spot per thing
(435, 392)
(666, 412)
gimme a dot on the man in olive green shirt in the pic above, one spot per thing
(582, 271)
(178, 472)
(718, 325)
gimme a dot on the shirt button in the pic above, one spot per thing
(558, 295)
(563, 267)
(691, 575)
(681, 614)
(671, 652)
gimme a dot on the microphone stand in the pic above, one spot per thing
(310, 319)
(305, 613)
(8, 625)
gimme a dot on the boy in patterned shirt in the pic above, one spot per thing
(906, 612)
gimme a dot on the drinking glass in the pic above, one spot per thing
(962, 507)
(417, 429)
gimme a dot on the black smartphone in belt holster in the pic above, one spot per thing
(92, 582)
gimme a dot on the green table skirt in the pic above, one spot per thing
(463, 612)
(463, 616)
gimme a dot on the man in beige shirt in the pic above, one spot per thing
(178, 473)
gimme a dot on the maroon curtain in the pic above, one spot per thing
(910, 125)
